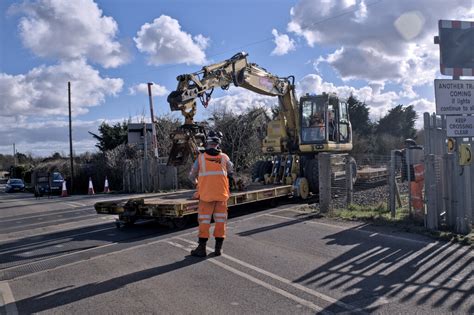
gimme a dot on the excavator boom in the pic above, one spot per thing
(239, 72)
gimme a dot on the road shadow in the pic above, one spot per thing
(33, 249)
(44, 302)
(37, 248)
(378, 269)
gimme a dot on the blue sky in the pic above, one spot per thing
(382, 51)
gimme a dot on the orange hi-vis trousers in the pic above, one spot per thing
(207, 210)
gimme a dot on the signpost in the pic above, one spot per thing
(456, 39)
(460, 126)
(455, 104)
(454, 97)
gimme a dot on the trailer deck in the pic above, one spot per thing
(179, 204)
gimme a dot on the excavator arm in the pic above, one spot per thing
(239, 72)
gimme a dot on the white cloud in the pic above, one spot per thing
(390, 41)
(361, 13)
(165, 43)
(43, 90)
(421, 106)
(70, 30)
(156, 89)
(283, 42)
(44, 137)
(379, 102)
(237, 100)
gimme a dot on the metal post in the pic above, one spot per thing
(153, 128)
(71, 157)
(349, 186)
(324, 181)
(407, 159)
(391, 184)
(431, 221)
(468, 198)
(461, 226)
(451, 189)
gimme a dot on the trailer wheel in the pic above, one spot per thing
(129, 221)
(125, 220)
(180, 223)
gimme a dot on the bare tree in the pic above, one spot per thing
(241, 140)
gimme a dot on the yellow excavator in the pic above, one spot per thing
(317, 123)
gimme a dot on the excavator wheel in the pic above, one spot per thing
(301, 188)
(311, 172)
(265, 168)
(256, 171)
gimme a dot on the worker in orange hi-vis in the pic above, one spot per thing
(210, 172)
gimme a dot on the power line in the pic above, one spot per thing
(338, 15)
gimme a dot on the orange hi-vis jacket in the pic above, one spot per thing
(213, 184)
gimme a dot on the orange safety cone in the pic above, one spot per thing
(106, 186)
(64, 190)
(91, 187)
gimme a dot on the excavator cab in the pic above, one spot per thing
(325, 124)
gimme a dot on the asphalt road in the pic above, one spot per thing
(58, 256)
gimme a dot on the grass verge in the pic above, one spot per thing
(380, 215)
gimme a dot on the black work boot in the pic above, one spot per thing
(200, 250)
(218, 248)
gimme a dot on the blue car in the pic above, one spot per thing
(14, 184)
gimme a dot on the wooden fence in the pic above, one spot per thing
(152, 175)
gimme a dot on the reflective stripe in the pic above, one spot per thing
(206, 221)
(222, 215)
(203, 163)
(203, 171)
(204, 216)
(220, 220)
(212, 173)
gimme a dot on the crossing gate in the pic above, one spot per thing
(449, 191)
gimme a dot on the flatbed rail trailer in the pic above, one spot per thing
(177, 207)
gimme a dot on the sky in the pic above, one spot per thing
(381, 51)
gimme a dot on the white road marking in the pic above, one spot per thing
(266, 285)
(44, 215)
(91, 258)
(371, 233)
(284, 280)
(107, 254)
(7, 301)
(76, 204)
(40, 231)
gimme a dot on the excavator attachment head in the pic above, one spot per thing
(188, 141)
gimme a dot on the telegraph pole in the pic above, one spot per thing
(153, 128)
(14, 162)
(70, 136)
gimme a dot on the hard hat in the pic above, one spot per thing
(214, 137)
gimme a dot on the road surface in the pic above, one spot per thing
(58, 256)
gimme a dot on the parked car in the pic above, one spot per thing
(14, 184)
(57, 183)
